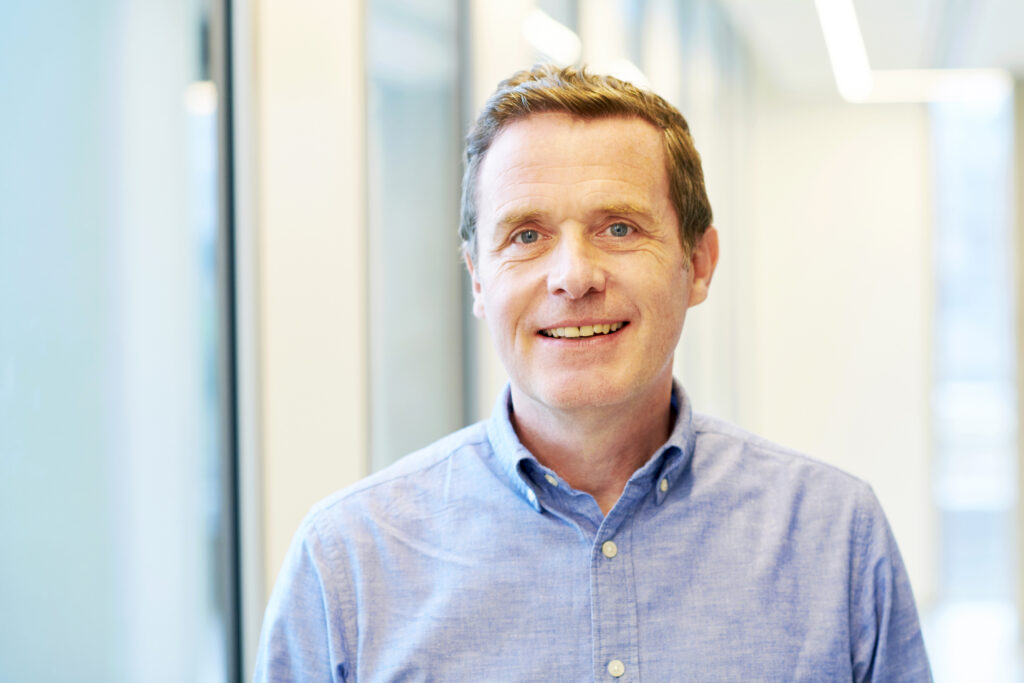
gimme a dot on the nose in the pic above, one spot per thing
(576, 268)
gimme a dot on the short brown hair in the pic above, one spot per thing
(548, 88)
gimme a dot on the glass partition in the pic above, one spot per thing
(116, 511)
(416, 286)
(974, 401)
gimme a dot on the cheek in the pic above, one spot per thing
(671, 299)
(502, 307)
(507, 293)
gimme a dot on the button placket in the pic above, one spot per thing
(614, 607)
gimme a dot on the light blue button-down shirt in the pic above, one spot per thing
(727, 558)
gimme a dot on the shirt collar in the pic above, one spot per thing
(662, 470)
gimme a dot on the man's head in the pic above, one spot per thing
(579, 265)
(550, 89)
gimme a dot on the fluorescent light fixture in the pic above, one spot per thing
(857, 82)
(940, 85)
(201, 98)
(552, 38)
(845, 48)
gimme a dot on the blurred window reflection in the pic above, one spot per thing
(115, 507)
(974, 398)
(416, 285)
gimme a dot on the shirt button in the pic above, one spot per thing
(664, 485)
(551, 480)
(610, 550)
(616, 668)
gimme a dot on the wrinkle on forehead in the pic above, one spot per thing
(629, 134)
(534, 159)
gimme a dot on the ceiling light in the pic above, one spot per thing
(845, 48)
(857, 82)
(940, 85)
(552, 38)
(624, 70)
(201, 98)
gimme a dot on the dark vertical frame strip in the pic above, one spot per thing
(230, 552)
(464, 81)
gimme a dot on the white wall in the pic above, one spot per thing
(839, 300)
(312, 253)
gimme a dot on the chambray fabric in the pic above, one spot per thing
(736, 560)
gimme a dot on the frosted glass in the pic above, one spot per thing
(115, 555)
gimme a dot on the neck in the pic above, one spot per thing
(595, 449)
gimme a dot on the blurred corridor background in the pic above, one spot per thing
(230, 284)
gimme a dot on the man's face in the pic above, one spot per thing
(580, 273)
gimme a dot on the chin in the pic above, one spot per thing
(572, 395)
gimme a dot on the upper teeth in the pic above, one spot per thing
(582, 331)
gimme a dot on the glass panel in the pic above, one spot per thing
(112, 508)
(974, 399)
(416, 286)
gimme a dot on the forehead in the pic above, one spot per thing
(552, 158)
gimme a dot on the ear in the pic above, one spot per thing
(703, 259)
(478, 302)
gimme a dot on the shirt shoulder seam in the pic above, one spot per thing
(370, 483)
(711, 425)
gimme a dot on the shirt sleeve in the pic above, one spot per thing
(300, 638)
(887, 645)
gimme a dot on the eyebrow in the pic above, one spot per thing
(622, 209)
(513, 218)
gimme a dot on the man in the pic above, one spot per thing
(594, 528)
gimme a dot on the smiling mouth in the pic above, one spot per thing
(582, 331)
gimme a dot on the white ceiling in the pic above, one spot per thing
(786, 38)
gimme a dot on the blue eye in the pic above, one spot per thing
(619, 229)
(527, 237)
